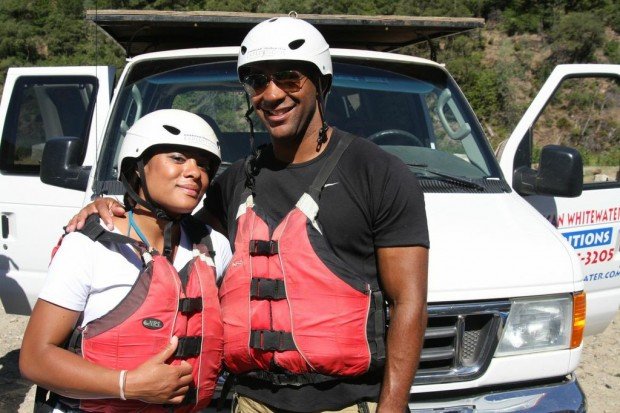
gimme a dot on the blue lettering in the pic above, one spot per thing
(601, 276)
(589, 238)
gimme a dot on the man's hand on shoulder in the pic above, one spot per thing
(105, 207)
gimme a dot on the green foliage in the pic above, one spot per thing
(53, 32)
(612, 51)
(576, 37)
(515, 22)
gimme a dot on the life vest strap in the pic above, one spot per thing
(188, 347)
(267, 289)
(328, 166)
(289, 379)
(190, 305)
(379, 327)
(262, 247)
(269, 340)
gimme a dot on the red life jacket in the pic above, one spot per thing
(162, 303)
(293, 312)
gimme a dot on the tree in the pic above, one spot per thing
(575, 38)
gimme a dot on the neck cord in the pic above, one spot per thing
(132, 224)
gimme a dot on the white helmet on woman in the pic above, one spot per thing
(285, 38)
(163, 127)
(168, 127)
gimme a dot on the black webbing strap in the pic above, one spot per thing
(263, 248)
(43, 404)
(289, 379)
(328, 167)
(74, 344)
(229, 382)
(190, 305)
(184, 274)
(189, 398)
(96, 232)
(269, 340)
(92, 228)
(198, 233)
(379, 320)
(267, 289)
(188, 347)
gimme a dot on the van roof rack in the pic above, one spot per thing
(142, 31)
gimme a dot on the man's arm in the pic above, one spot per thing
(403, 273)
(107, 207)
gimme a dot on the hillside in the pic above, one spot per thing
(499, 68)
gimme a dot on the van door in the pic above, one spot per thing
(578, 106)
(39, 104)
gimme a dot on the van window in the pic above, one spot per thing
(583, 114)
(42, 108)
(420, 117)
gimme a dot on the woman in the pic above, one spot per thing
(143, 295)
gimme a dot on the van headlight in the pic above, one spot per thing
(537, 324)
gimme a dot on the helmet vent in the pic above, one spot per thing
(296, 44)
(172, 129)
(243, 49)
(272, 20)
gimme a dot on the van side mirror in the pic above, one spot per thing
(60, 163)
(560, 173)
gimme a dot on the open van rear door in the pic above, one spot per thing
(39, 105)
(579, 104)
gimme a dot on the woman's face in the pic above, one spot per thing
(177, 179)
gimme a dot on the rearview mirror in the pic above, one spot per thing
(560, 173)
(60, 163)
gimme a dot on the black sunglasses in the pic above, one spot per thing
(290, 81)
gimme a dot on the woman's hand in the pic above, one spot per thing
(105, 207)
(154, 381)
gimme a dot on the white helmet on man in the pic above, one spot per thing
(168, 127)
(285, 38)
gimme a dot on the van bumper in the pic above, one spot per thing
(564, 396)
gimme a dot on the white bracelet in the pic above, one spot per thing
(121, 383)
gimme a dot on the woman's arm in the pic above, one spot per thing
(43, 361)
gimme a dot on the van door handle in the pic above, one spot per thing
(5, 226)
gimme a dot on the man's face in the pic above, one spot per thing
(285, 107)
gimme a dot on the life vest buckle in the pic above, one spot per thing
(267, 289)
(262, 247)
(269, 340)
(188, 347)
(190, 305)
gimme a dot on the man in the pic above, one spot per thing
(325, 226)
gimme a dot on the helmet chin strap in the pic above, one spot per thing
(152, 206)
(250, 167)
(322, 138)
(250, 123)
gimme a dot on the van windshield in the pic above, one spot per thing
(419, 116)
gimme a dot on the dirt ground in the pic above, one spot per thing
(599, 371)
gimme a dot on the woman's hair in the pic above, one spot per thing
(130, 171)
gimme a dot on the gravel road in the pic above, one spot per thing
(599, 371)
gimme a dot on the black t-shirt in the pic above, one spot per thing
(370, 200)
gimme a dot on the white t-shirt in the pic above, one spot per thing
(94, 277)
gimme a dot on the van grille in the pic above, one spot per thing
(460, 340)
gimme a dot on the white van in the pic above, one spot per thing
(515, 242)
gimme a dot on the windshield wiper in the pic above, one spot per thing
(461, 180)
